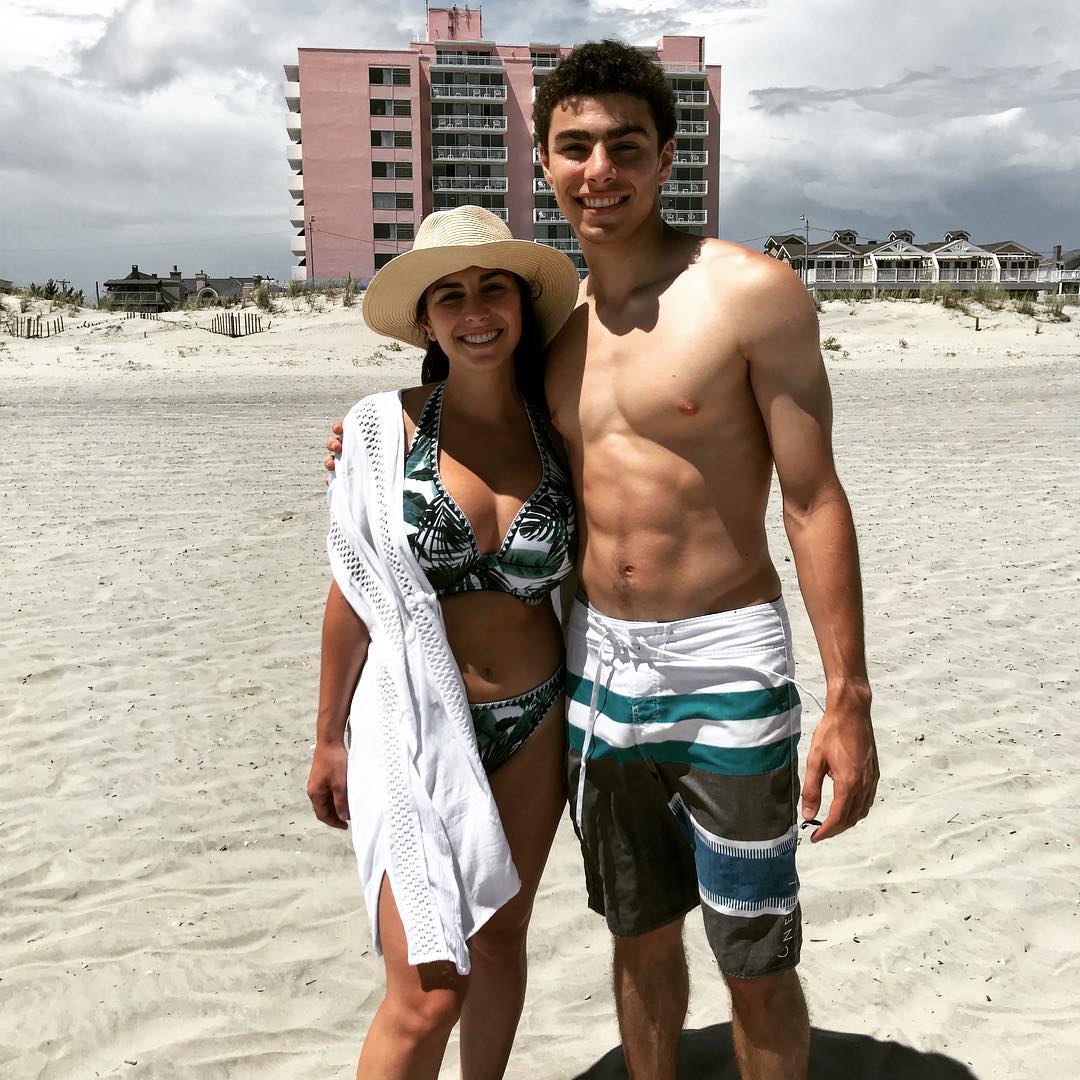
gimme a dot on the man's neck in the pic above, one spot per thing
(620, 268)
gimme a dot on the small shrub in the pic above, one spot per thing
(24, 304)
(295, 289)
(990, 296)
(830, 344)
(263, 299)
(348, 292)
(395, 346)
(331, 291)
(1024, 307)
(1054, 307)
(903, 343)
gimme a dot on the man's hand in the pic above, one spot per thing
(843, 748)
(327, 785)
(333, 444)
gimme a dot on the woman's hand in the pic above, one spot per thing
(327, 785)
(333, 444)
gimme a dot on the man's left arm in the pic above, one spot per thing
(782, 350)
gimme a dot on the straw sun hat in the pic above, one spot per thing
(452, 240)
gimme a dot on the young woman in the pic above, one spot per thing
(452, 521)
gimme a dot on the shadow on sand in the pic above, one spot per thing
(707, 1054)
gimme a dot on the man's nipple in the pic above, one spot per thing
(688, 407)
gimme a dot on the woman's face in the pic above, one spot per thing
(475, 316)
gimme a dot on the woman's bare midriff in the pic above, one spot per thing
(502, 645)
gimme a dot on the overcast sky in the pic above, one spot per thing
(153, 131)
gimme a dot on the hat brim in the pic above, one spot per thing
(389, 304)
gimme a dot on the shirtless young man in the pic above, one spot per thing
(690, 369)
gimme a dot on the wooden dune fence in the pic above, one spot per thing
(233, 324)
(34, 326)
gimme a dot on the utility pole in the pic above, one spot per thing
(311, 249)
(806, 250)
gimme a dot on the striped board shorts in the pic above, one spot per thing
(683, 777)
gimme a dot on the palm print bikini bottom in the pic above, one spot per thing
(502, 727)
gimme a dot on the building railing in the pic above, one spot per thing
(498, 211)
(691, 157)
(545, 62)
(685, 217)
(884, 275)
(468, 183)
(550, 217)
(685, 69)
(569, 245)
(888, 275)
(685, 187)
(446, 122)
(466, 59)
(467, 90)
(969, 276)
(541, 186)
(692, 127)
(468, 153)
(692, 97)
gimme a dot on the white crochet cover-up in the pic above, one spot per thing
(421, 810)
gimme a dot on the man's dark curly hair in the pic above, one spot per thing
(606, 67)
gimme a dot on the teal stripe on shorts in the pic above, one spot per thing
(724, 760)
(671, 708)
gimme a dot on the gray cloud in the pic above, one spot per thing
(937, 93)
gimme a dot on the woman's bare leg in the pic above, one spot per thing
(408, 1035)
(530, 793)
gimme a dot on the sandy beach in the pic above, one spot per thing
(173, 909)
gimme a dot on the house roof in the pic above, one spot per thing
(1009, 247)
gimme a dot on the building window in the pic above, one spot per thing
(391, 170)
(390, 107)
(391, 200)
(382, 259)
(386, 76)
(401, 140)
(388, 230)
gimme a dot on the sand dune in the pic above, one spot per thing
(172, 908)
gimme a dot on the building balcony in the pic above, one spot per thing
(684, 69)
(295, 154)
(457, 91)
(1064, 275)
(692, 127)
(296, 216)
(468, 153)
(971, 277)
(691, 157)
(545, 63)
(499, 211)
(548, 217)
(292, 126)
(474, 61)
(299, 273)
(468, 183)
(686, 217)
(299, 245)
(541, 186)
(472, 122)
(296, 186)
(692, 97)
(570, 245)
(685, 187)
(292, 96)
(844, 275)
(889, 275)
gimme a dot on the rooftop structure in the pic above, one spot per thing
(850, 262)
(380, 138)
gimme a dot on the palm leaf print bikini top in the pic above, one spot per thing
(538, 549)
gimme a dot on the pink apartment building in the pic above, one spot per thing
(380, 138)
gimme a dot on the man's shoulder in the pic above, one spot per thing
(737, 267)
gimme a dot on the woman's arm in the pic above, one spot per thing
(345, 642)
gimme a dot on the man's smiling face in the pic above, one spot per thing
(604, 165)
